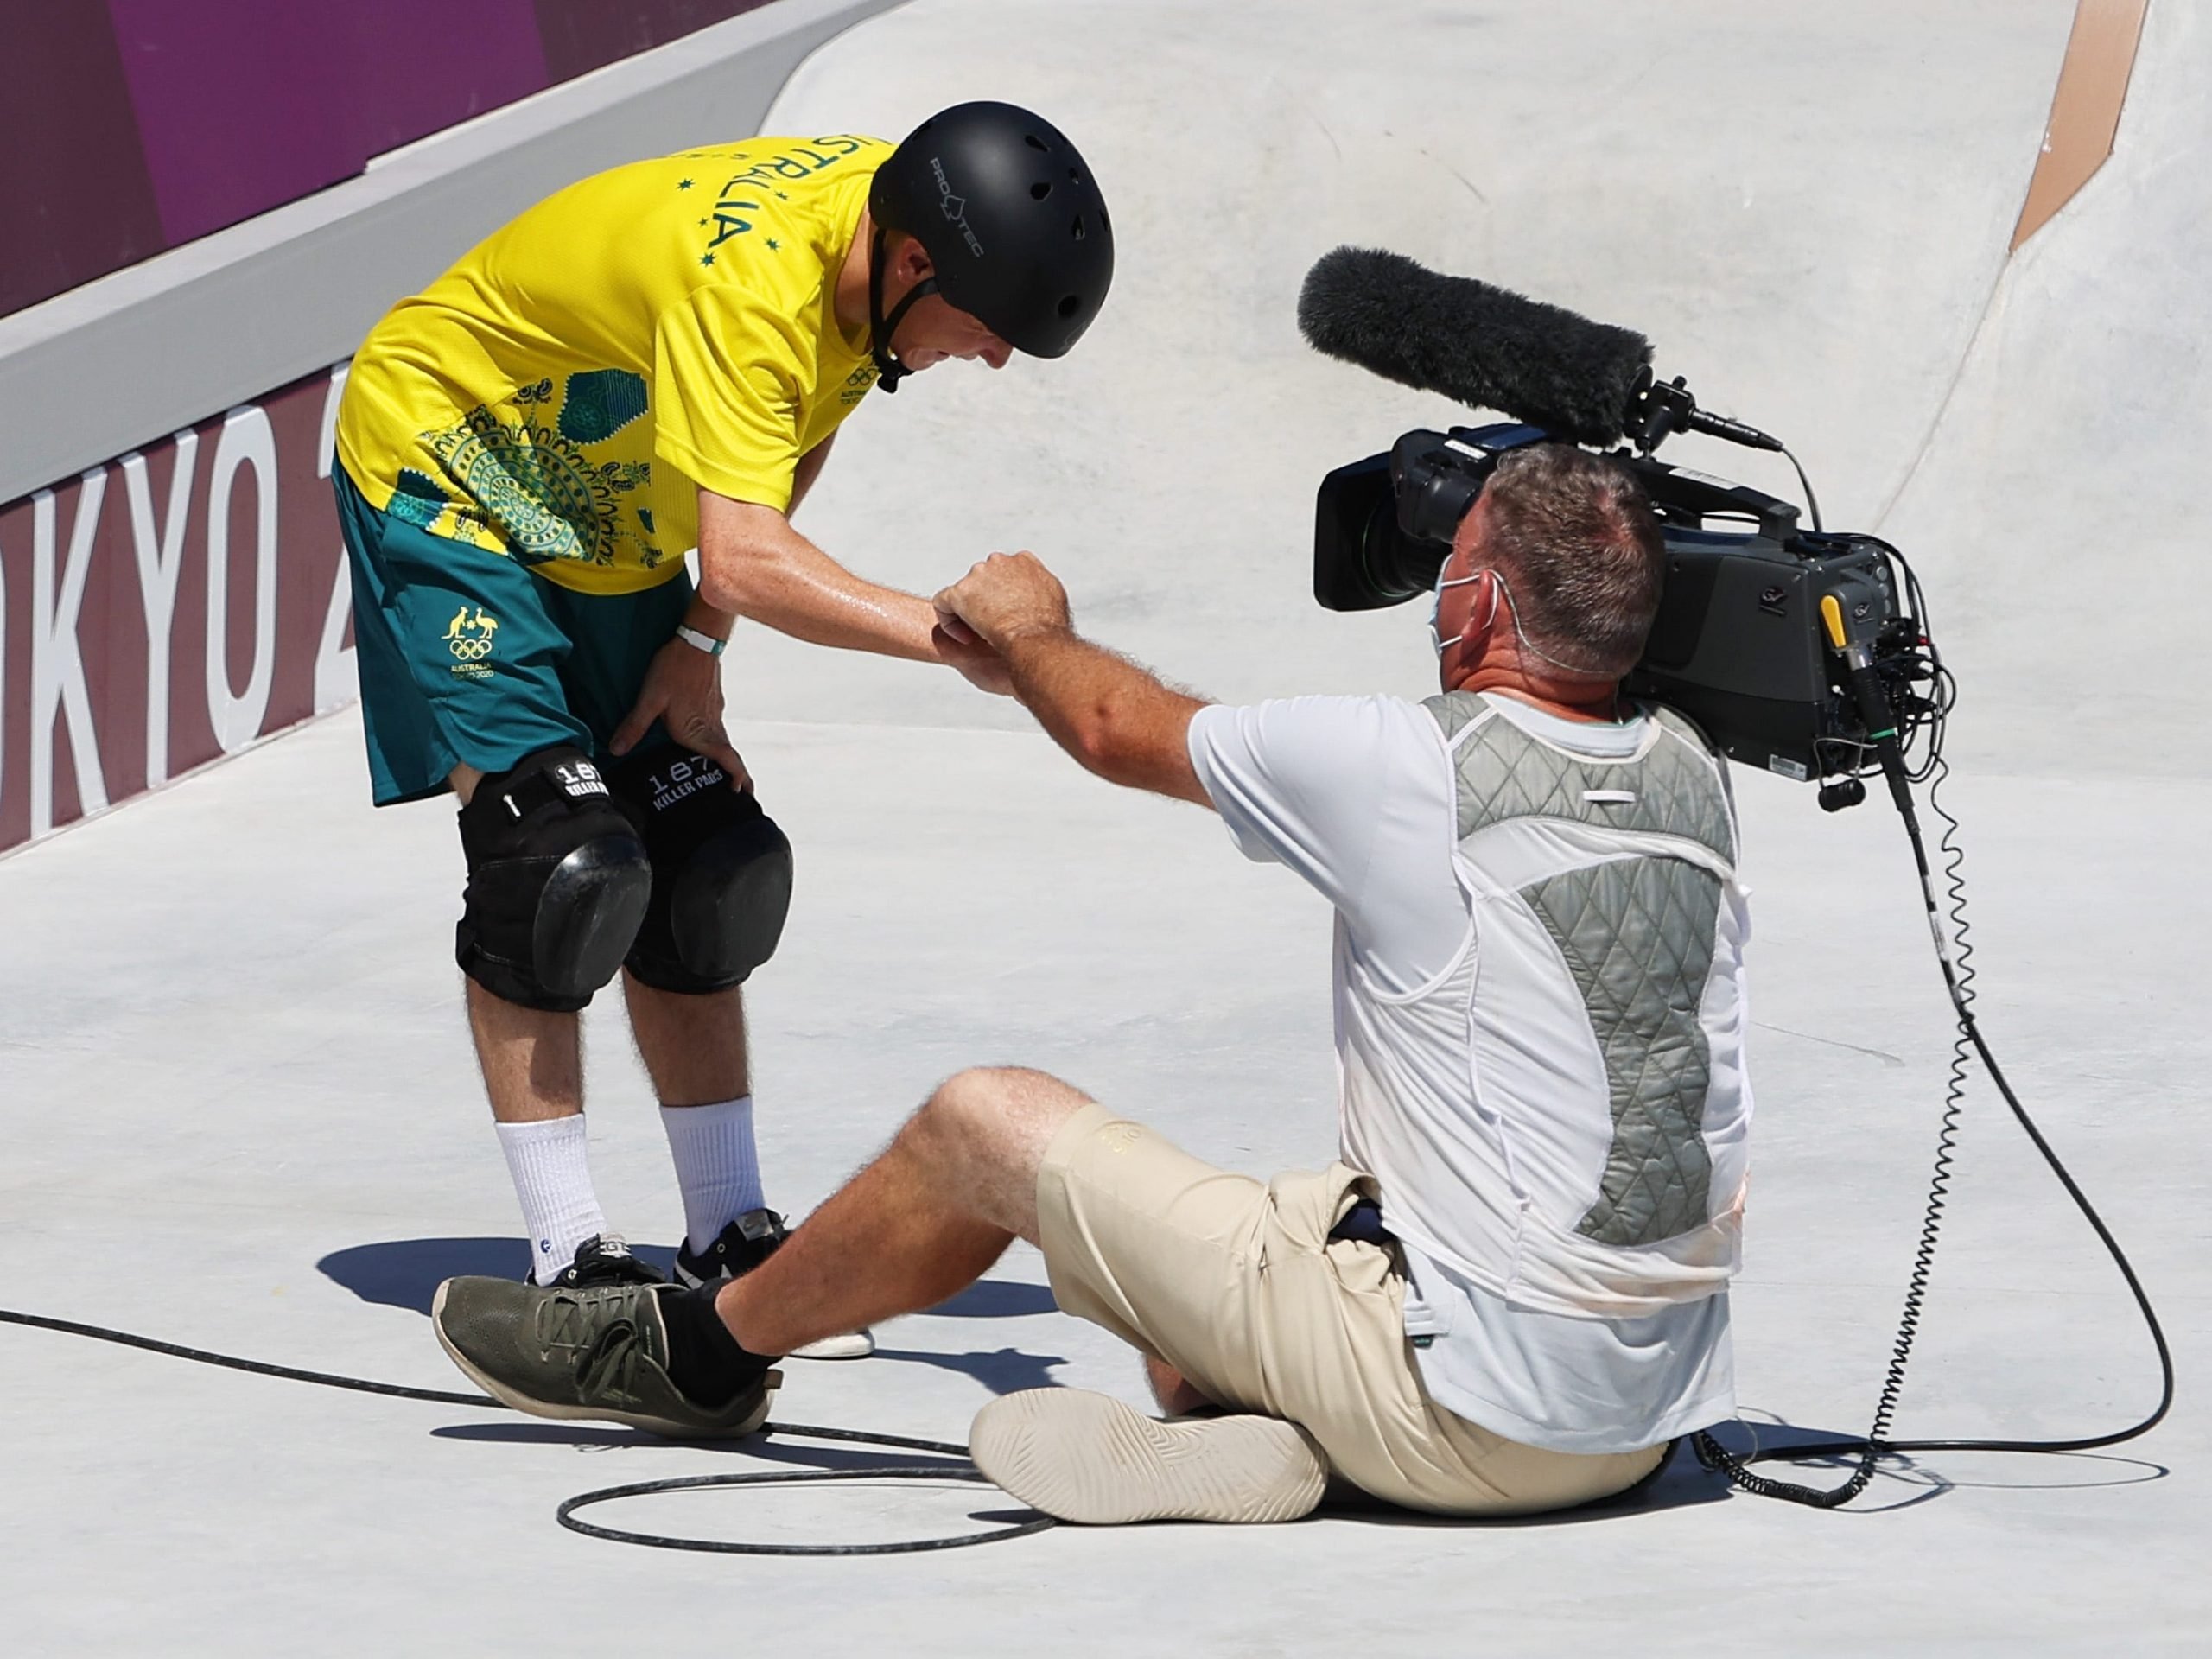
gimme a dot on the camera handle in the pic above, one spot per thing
(1676, 491)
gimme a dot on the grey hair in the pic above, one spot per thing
(1575, 537)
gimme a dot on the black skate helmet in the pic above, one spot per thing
(1007, 210)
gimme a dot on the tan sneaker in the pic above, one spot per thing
(1088, 1458)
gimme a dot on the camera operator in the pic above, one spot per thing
(1509, 1294)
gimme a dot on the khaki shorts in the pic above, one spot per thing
(1237, 1285)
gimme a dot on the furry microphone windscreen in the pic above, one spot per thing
(1477, 345)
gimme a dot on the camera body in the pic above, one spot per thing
(1738, 644)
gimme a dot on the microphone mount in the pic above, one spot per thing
(1658, 409)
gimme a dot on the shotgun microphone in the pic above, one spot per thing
(1492, 348)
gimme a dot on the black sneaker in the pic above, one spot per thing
(739, 1247)
(744, 1245)
(603, 1260)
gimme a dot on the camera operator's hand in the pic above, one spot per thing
(1006, 597)
(957, 644)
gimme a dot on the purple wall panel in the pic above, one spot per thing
(251, 103)
(582, 34)
(483, 54)
(129, 126)
(74, 198)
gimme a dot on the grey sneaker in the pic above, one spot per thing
(596, 1353)
(1088, 1458)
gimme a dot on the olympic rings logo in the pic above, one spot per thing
(470, 640)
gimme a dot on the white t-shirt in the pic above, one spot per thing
(1358, 796)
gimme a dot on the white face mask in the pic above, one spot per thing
(1499, 593)
(1436, 600)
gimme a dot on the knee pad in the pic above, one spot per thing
(558, 882)
(721, 874)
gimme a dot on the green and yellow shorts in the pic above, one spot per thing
(465, 657)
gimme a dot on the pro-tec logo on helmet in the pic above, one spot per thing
(955, 208)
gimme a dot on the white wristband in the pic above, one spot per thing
(705, 642)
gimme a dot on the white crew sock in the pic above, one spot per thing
(716, 1164)
(553, 1182)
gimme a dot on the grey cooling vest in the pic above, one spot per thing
(1635, 927)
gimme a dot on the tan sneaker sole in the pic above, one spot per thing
(1088, 1458)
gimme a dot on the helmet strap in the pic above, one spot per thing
(889, 371)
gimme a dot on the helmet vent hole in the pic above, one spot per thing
(1069, 306)
(1038, 191)
(1079, 231)
(1034, 141)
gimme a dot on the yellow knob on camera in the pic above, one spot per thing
(1832, 613)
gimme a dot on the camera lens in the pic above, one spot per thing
(1362, 560)
(1397, 567)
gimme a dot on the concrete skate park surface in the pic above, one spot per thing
(243, 1114)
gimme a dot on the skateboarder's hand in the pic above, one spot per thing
(984, 668)
(683, 691)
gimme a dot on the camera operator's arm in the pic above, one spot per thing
(1116, 718)
(1349, 792)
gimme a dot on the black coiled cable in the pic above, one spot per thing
(1956, 962)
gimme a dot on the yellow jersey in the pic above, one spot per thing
(561, 394)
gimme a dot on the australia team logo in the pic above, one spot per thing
(469, 639)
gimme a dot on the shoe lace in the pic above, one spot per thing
(607, 1353)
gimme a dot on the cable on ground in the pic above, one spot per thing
(958, 1470)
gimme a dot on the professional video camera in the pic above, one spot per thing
(1800, 652)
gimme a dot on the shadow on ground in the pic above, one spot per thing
(798, 1450)
(997, 1299)
(406, 1273)
(1682, 1483)
(1007, 1370)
